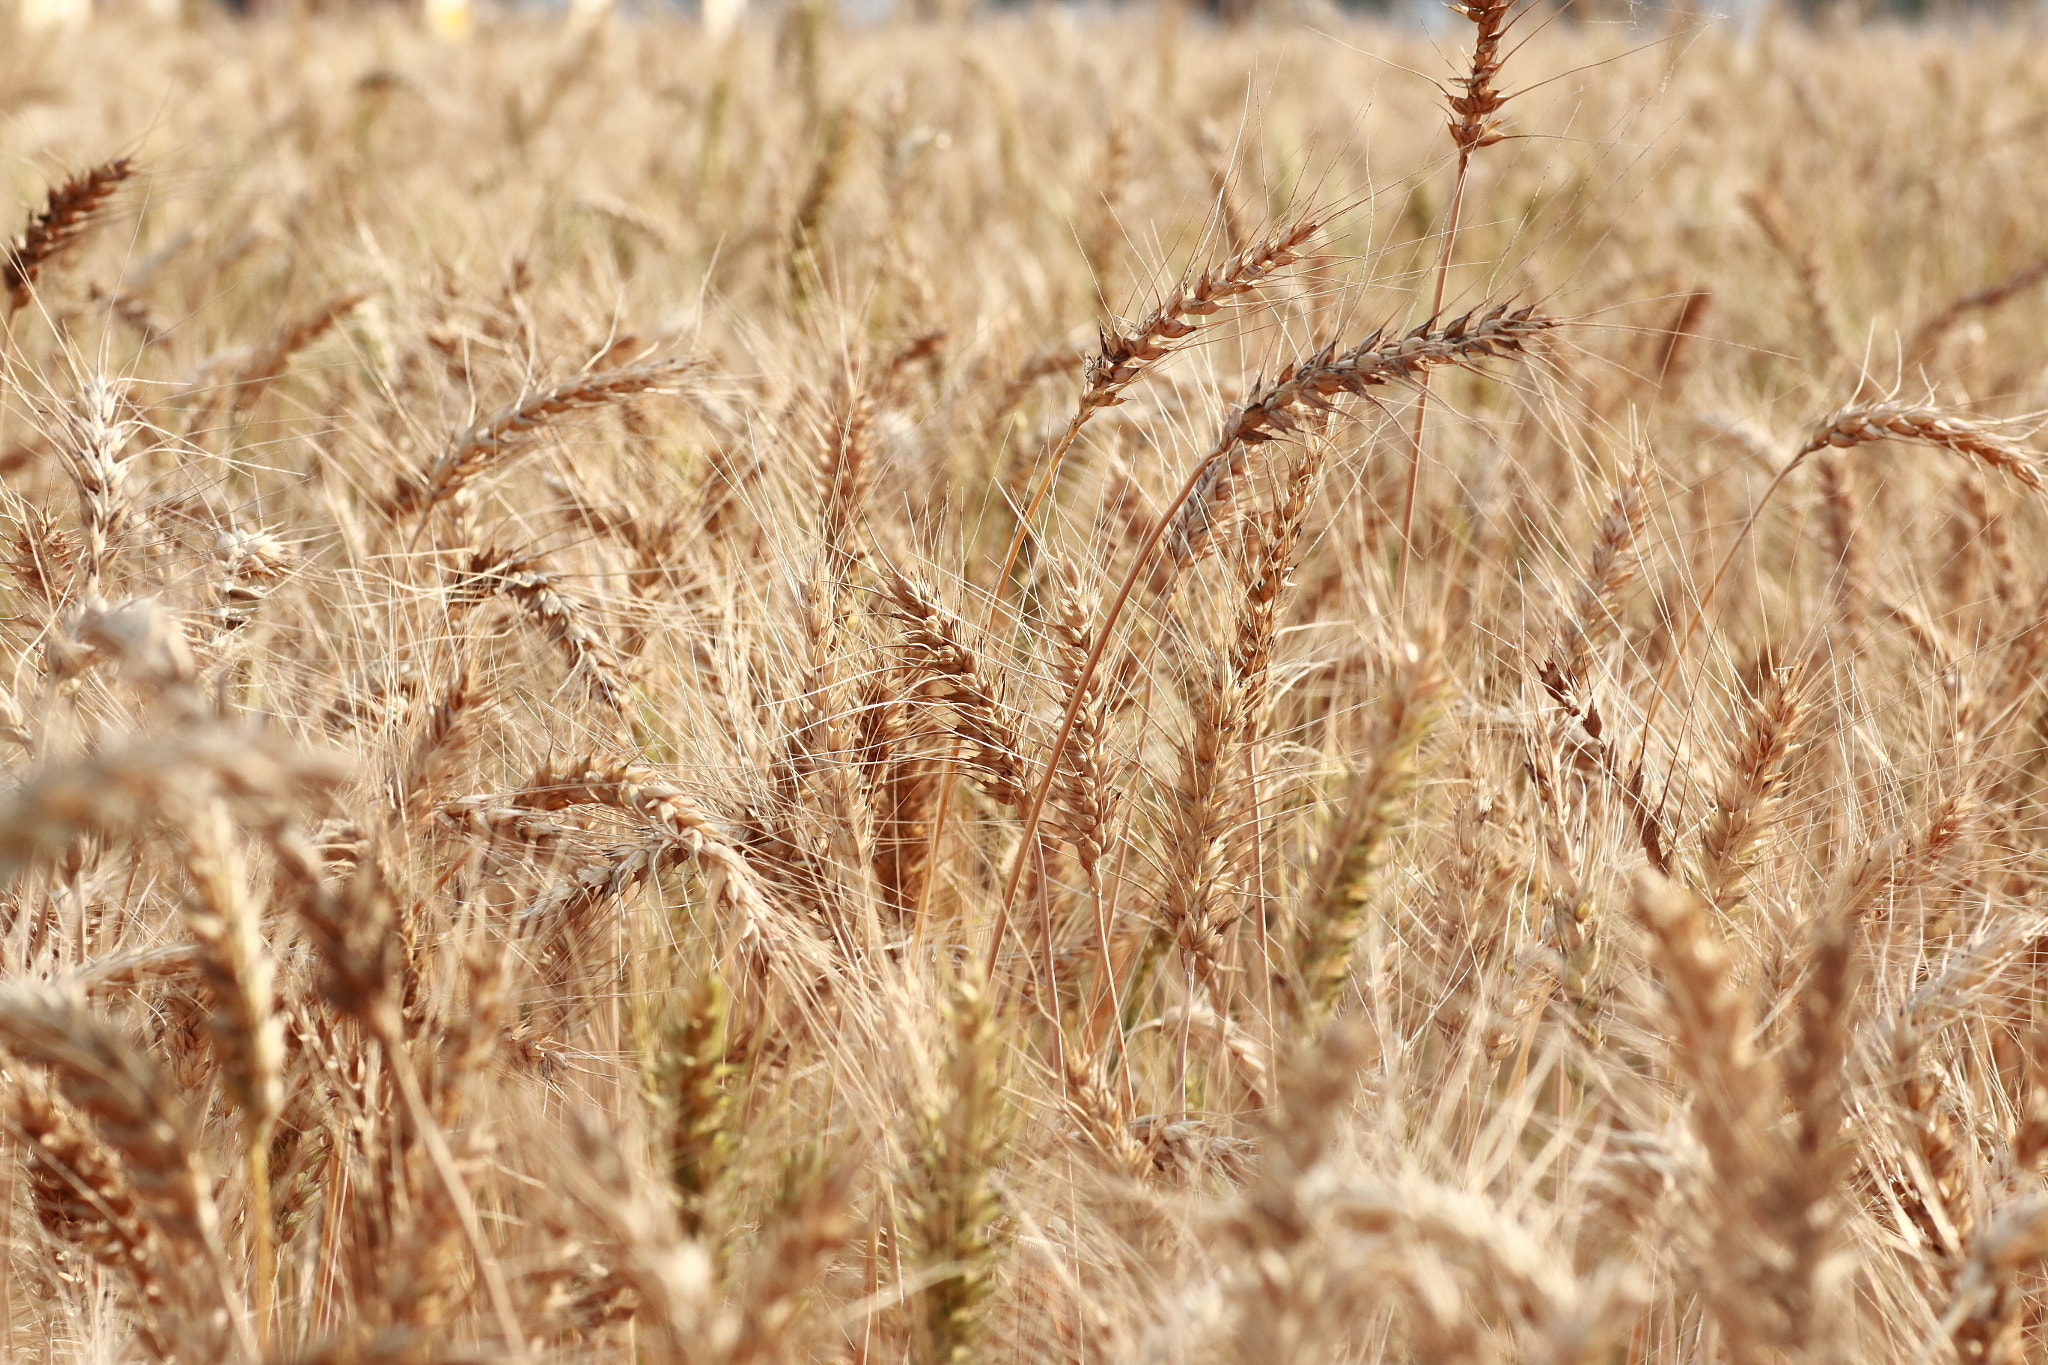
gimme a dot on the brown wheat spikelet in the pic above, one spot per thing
(1476, 123)
(1927, 337)
(268, 364)
(79, 1192)
(563, 618)
(1753, 783)
(1083, 788)
(1886, 421)
(61, 221)
(845, 471)
(1125, 354)
(948, 671)
(483, 444)
(137, 1113)
(1196, 904)
(1333, 909)
(1313, 381)
(1591, 621)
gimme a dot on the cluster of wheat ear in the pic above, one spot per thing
(1049, 689)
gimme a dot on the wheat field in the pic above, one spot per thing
(1055, 686)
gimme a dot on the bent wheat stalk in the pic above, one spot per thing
(1311, 383)
(1124, 356)
(1848, 427)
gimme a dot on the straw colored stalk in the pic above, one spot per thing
(1475, 123)
(97, 458)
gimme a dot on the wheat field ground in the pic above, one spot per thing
(1064, 687)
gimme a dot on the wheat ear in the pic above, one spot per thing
(953, 1206)
(237, 967)
(57, 225)
(476, 448)
(1312, 383)
(1755, 779)
(1609, 568)
(1276, 409)
(270, 362)
(564, 619)
(947, 670)
(1125, 355)
(1927, 336)
(1334, 906)
(1848, 427)
(81, 1195)
(97, 458)
(138, 1113)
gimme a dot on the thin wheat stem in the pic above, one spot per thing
(1415, 430)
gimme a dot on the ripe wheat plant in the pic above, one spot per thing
(1043, 687)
